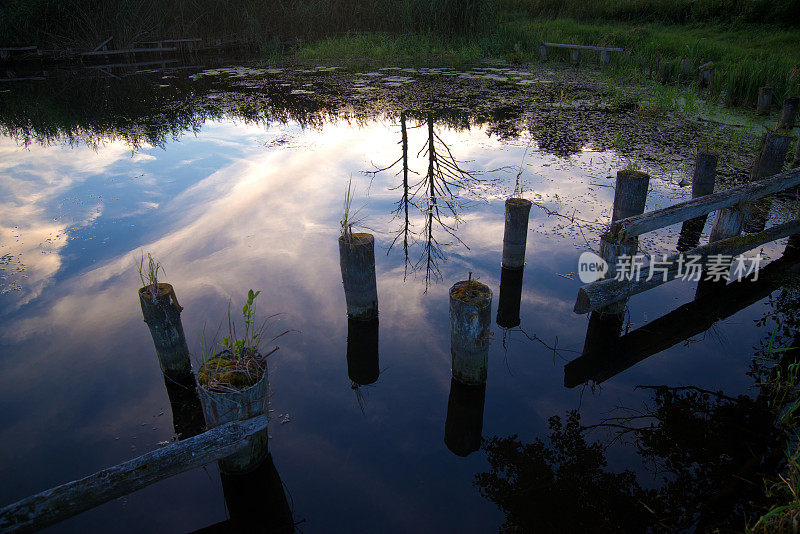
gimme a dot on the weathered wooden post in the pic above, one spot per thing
(769, 161)
(187, 412)
(728, 222)
(706, 72)
(630, 194)
(464, 423)
(665, 72)
(796, 161)
(703, 179)
(162, 314)
(574, 55)
(256, 501)
(602, 337)
(362, 351)
(222, 406)
(630, 198)
(764, 102)
(357, 262)
(605, 57)
(508, 303)
(687, 69)
(515, 235)
(543, 52)
(788, 113)
(470, 321)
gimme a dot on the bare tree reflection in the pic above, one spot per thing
(436, 194)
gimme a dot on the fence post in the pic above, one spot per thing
(769, 161)
(508, 304)
(464, 423)
(515, 235)
(470, 323)
(543, 52)
(764, 102)
(357, 262)
(705, 175)
(162, 314)
(574, 55)
(788, 113)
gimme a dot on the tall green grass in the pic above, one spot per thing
(89, 22)
(780, 12)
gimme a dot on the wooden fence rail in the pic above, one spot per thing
(597, 295)
(647, 222)
(59, 503)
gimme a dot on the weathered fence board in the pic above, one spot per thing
(594, 296)
(633, 226)
(585, 47)
(59, 503)
(684, 322)
(129, 51)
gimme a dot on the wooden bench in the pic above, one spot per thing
(574, 51)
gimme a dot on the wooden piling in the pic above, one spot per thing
(764, 102)
(256, 501)
(771, 155)
(187, 411)
(463, 426)
(362, 351)
(162, 314)
(238, 405)
(706, 75)
(357, 262)
(687, 69)
(788, 113)
(630, 194)
(796, 160)
(602, 335)
(769, 161)
(508, 303)
(470, 322)
(728, 222)
(703, 179)
(515, 235)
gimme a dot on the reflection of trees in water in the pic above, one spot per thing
(436, 194)
(710, 452)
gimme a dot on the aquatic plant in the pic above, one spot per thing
(350, 217)
(239, 363)
(148, 274)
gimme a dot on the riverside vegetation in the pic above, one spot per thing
(752, 43)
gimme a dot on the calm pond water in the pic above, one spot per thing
(237, 204)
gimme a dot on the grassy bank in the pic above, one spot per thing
(745, 56)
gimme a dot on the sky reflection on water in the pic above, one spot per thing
(239, 206)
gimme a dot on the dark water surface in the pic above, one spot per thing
(236, 205)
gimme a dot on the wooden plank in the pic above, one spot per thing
(680, 324)
(101, 45)
(585, 47)
(59, 503)
(129, 51)
(592, 297)
(633, 226)
(17, 48)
